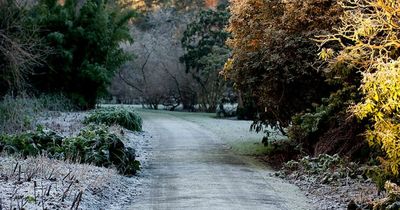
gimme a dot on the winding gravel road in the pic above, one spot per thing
(192, 168)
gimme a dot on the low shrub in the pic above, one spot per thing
(316, 165)
(32, 143)
(124, 117)
(326, 168)
(332, 167)
(94, 145)
(97, 145)
(390, 200)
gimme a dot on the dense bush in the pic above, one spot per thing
(369, 58)
(125, 117)
(275, 64)
(94, 145)
(329, 129)
(80, 42)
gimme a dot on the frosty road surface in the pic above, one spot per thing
(192, 168)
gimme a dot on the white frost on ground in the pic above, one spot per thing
(335, 195)
(43, 183)
(64, 123)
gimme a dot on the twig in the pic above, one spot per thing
(34, 190)
(19, 173)
(15, 168)
(30, 174)
(66, 191)
(48, 191)
(77, 200)
(23, 202)
(42, 195)
(12, 196)
(67, 175)
(51, 174)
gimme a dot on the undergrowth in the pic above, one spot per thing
(18, 114)
(94, 145)
(330, 168)
(124, 117)
(97, 145)
(56, 102)
(32, 143)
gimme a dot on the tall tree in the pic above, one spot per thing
(156, 76)
(274, 59)
(20, 47)
(86, 40)
(205, 54)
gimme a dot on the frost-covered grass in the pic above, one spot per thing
(43, 183)
(40, 182)
(123, 116)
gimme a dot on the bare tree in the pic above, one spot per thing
(157, 76)
(20, 47)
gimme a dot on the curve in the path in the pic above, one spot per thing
(192, 169)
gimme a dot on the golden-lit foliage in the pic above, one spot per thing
(311, 15)
(252, 20)
(272, 54)
(381, 103)
(369, 40)
(369, 32)
(134, 4)
(248, 23)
